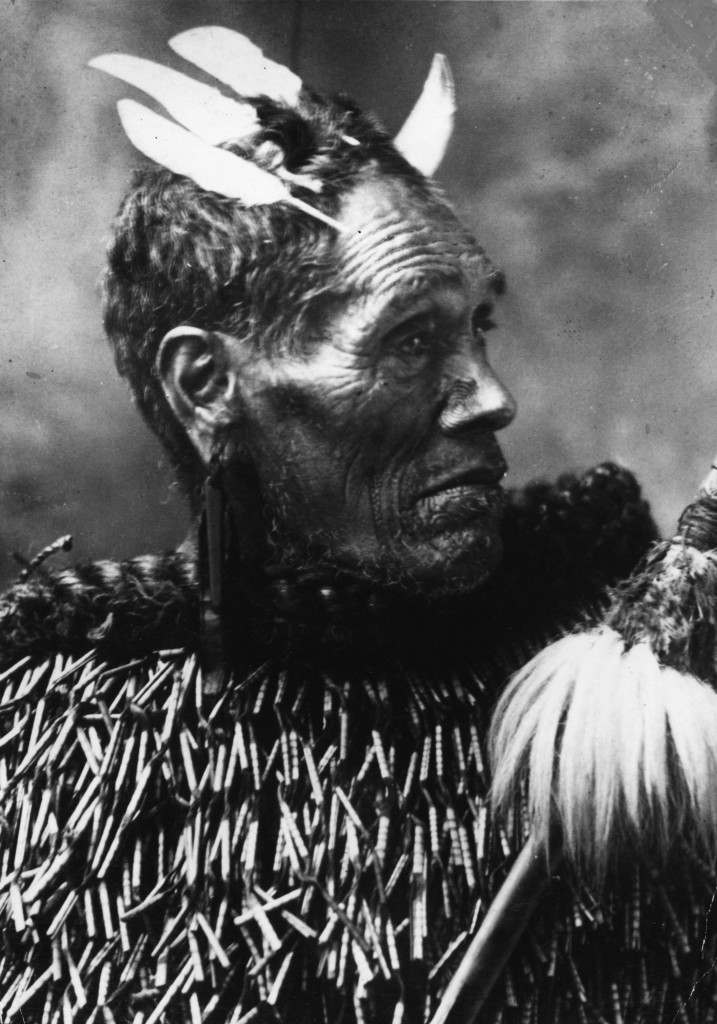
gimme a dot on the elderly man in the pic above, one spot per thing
(248, 780)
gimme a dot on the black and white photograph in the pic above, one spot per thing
(358, 512)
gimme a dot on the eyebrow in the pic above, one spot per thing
(416, 302)
(413, 288)
(417, 319)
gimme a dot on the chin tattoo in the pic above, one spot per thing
(255, 778)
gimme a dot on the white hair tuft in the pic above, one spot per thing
(613, 747)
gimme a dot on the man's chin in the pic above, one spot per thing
(450, 543)
(461, 511)
(433, 559)
(452, 563)
(445, 564)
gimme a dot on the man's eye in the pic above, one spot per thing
(414, 346)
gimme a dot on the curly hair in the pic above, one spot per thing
(182, 255)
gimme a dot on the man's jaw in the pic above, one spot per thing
(448, 542)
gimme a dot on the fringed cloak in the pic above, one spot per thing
(315, 842)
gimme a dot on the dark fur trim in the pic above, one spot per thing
(564, 544)
(124, 608)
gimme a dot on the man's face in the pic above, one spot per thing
(374, 435)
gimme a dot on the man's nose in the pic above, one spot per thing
(475, 396)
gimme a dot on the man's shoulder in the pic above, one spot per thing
(125, 609)
(599, 516)
(565, 544)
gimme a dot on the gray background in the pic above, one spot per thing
(581, 160)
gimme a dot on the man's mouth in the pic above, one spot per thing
(463, 497)
(484, 475)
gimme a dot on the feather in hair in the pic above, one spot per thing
(215, 170)
(200, 108)
(233, 59)
(614, 730)
(424, 137)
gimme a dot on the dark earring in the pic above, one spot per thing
(213, 542)
(214, 526)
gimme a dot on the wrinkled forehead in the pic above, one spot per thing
(396, 239)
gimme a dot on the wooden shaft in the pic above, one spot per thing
(498, 935)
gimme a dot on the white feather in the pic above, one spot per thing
(215, 170)
(616, 747)
(425, 135)
(200, 108)
(233, 59)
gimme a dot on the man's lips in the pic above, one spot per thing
(483, 474)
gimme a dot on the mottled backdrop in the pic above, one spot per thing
(581, 159)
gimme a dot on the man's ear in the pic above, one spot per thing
(199, 381)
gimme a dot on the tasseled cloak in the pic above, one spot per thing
(315, 843)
